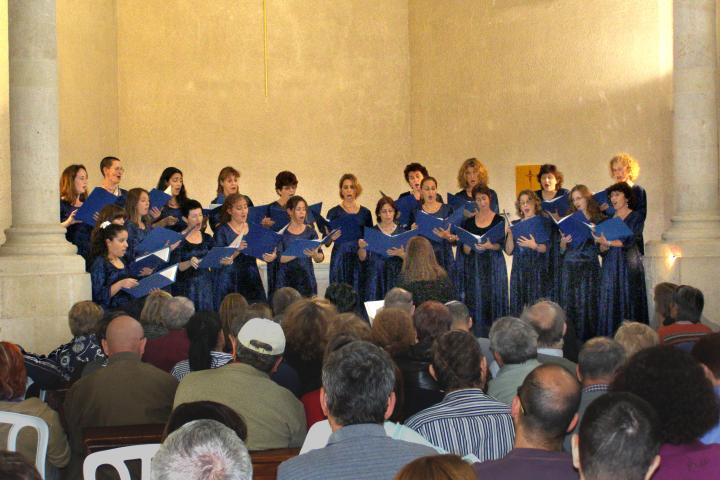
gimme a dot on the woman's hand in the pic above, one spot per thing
(528, 242)
(226, 261)
(243, 245)
(195, 262)
(146, 271)
(565, 240)
(128, 283)
(70, 220)
(604, 207)
(362, 243)
(336, 235)
(155, 213)
(270, 257)
(267, 222)
(396, 252)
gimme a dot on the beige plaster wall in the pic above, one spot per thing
(569, 82)
(191, 93)
(87, 71)
(5, 210)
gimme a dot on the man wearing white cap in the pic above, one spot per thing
(275, 417)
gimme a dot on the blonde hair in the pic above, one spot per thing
(420, 262)
(150, 313)
(476, 164)
(636, 336)
(233, 307)
(355, 183)
(631, 165)
(84, 318)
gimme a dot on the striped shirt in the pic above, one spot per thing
(217, 359)
(467, 422)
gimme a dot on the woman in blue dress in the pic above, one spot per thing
(580, 273)
(298, 272)
(73, 191)
(622, 286)
(139, 221)
(227, 185)
(471, 174)
(484, 285)
(443, 246)
(239, 273)
(624, 168)
(191, 282)
(172, 210)
(344, 261)
(380, 273)
(528, 278)
(551, 180)
(285, 187)
(109, 273)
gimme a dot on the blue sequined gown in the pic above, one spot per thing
(135, 236)
(380, 273)
(344, 263)
(77, 234)
(529, 280)
(298, 273)
(103, 275)
(580, 278)
(273, 267)
(443, 248)
(195, 284)
(243, 276)
(554, 255)
(623, 294)
(483, 280)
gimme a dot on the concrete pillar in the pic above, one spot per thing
(690, 253)
(40, 274)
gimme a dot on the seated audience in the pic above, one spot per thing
(202, 450)
(206, 345)
(232, 307)
(635, 336)
(165, 351)
(342, 296)
(422, 275)
(466, 421)
(150, 315)
(357, 397)
(125, 392)
(206, 410)
(686, 308)
(461, 319)
(305, 325)
(674, 383)
(543, 411)
(14, 466)
(274, 417)
(662, 297)
(349, 323)
(514, 346)
(257, 310)
(437, 467)
(707, 352)
(399, 298)
(601, 358)
(67, 361)
(12, 399)
(281, 300)
(548, 320)
(618, 439)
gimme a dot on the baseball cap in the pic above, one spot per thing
(262, 331)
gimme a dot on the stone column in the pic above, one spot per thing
(690, 252)
(40, 274)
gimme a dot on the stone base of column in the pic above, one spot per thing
(688, 262)
(38, 285)
(693, 227)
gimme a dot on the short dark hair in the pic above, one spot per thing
(674, 383)
(549, 405)
(342, 296)
(618, 437)
(285, 179)
(385, 200)
(206, 410)
(14, 466)
(481, 189)
(189, 205)
(689, 302)
(601, 357)
(283, 298)
(358, 379)
(415, 167)
(431, 319)
(707, 352)
(550, 169)
(626, 190)
(107, 162)
(456, 360)
(260, 361)
(458, 311)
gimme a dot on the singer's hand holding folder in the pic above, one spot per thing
(157, 239)
(161, 279)
(559, 205)
(602, 197)
(426, 223)
(97, 199)
(534, 226)
(378, 242)
(495, 235)
(158, 198)
(613, 229)
(150, 260)
(256, 214)
(575, 225)
(278, 215)
(457, 203)
(260, 241)
(215, 256)
(297, 247)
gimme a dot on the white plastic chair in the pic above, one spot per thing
(117, 457)
(20, 421)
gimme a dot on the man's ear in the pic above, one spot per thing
(573, 423)
(564, 324)
(277, 365)
(483, 370)
(515, 407)
(323, 402)
(105, 348)
(497, 359)
(578, 374)
(141, 347)
(575, 444)
(653, 467)
(391, 405)
(431, 369)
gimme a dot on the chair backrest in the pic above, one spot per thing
(18, 421)
(97, 439)
(117, 458)
(266, 462)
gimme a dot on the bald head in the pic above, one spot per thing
(124, 334)
(548, 320)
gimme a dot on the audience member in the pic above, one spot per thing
(707, 352)
(686, 309)
(257, 310)
(543, 411)
(466, 421)
(206, 410)
(12, 399)
(600, 360)
(548, 320)
(150, 316)
(514, 345)
(635, 336)
(342, 296)
(399, 298)
(437, 467)
(357, 397)
(281, 300)
(674, 383)
(305, 325)
(275, 418)
(164, 352)
(349, 323)
(422, 275)
(393, 330)
(461, 319)
(206, 345)
(232, 307)
(67, 361)
(126, 392)
(202, 450)
(617, 439)
(663, 293)
(14, 466)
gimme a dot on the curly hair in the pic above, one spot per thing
(456, 359)
(414, 167)
(12, 372)
(477, 165)
(632, 167)
(532, 197)
(674, 383)
(550, 169)
(393, 330)
(305, 325)
(626, 190)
